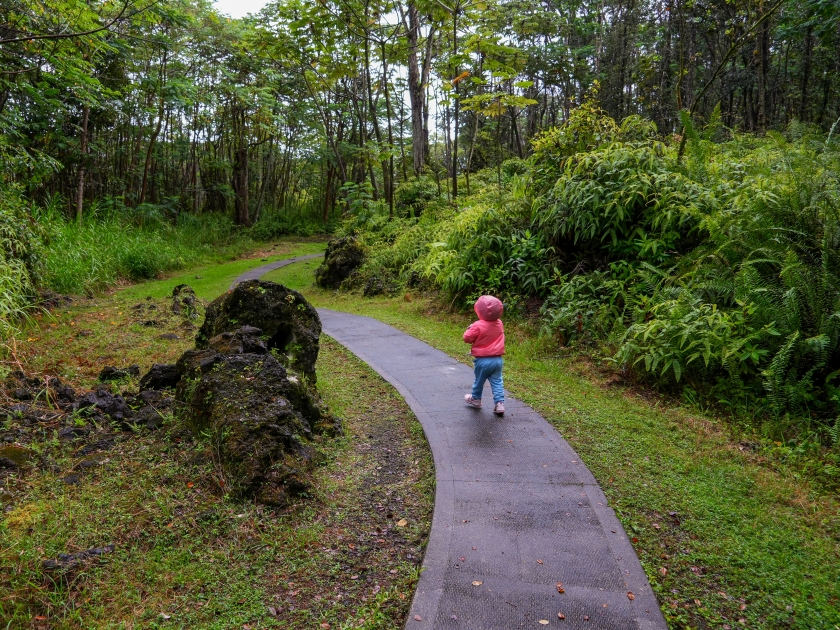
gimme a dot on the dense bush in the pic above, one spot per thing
(720, 273)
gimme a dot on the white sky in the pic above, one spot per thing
(239, 8)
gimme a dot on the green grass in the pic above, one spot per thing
(723, 534)
(211, 280)
(75, 342)
(188, 557)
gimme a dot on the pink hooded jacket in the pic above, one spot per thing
(487, 335)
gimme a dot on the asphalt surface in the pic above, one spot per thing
(516, 512)
(258, 272)
(517, 515)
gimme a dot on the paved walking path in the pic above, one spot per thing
(515, 512)
(515, 509)
(258, 272)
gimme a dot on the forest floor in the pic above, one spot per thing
(171, 549)
(728, 538)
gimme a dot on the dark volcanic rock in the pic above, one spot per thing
(147, 416)
(161, 376)
(375, 286)
(343, 256)
(110, 373)
(21, 393)
(244, 340)
(68, 561)
(15, 456)
(110, 404)
(65, 394)
(184, 302)
(261, 415)
(288, 322)
(72, 433)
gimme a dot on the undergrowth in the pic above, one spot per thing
(716, 278)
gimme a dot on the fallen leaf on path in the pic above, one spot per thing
(477, 583)
(560, 588)
(539, 561)
(418, 618)
(543, 622)
(586, 617)
(561, 616)
(630, 595)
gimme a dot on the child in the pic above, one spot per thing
(487, 337)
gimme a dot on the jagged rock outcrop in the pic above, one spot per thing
(342, 258)
(289, 324)
(252, 390)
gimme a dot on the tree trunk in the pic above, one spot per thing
(155, 133)
(80, 192)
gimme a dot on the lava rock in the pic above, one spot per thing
(68, 561)
(160, 376)
(147, 416)
(65, 394)
(72, 433)
(112, 405)
(261, 414)
(375, 286)
(343, 257)
(184, 301)
(15, 456)
(289, 323)
(110, 373)
(21, 393)
(241, 341)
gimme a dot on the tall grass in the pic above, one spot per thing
(110, 247)
(20, 260)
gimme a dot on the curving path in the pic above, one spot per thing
(258, 272)
(515, 512)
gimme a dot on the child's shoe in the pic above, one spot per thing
(472, 402)
(499, 409)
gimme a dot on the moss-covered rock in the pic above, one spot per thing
(342, 258)
(249, 385)
(261, 416)
(289, 324)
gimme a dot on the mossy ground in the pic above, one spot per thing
(728, 538)
(186, 555)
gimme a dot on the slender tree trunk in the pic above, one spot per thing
(455, 108)
(390, 192)
(80, 192)
(806, 73)
(155, 133)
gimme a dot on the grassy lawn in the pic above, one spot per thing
(184, 554)
(728, 539)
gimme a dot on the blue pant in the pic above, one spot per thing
(488, 368)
